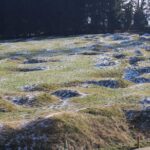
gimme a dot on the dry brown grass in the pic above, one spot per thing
(92, 128)
(6, 106)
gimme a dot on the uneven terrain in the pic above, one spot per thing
(83, 92)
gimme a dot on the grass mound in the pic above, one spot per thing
(88, 129)
(6, 106)
(44, 99)
(47, 87)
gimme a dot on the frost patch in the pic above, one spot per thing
(145, 103)
(105, 61)
(30, 88)
(22, 100)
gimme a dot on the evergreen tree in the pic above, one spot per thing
(140, 18)
(127, 17)
(114, 14)
(24, 18)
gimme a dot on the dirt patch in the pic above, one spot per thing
(119, 56)
(16, 58)
(105, 83)
(39, 60)
(89, 53)
(147, 48)
(141, 80)
(140, 119)
(32, 69)
(134, 74)
(135, 60)
(22, 100)
(138, 53)
(66, 94)
(34, 61)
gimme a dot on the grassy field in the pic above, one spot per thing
(85, 84)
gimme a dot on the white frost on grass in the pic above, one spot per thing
(104, 61)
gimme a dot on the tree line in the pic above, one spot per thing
(26, 18)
